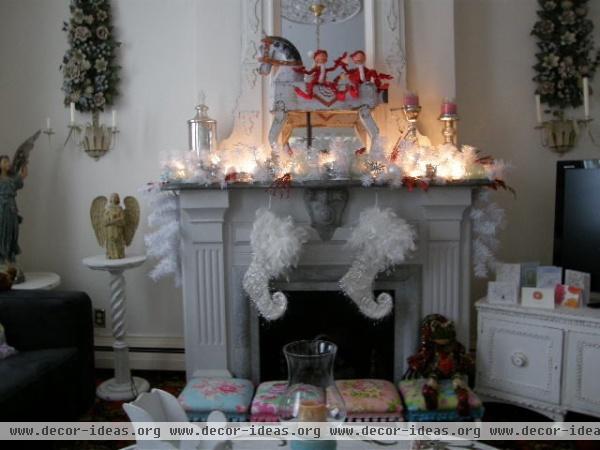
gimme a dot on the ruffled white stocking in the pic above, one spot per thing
(381, 240)
(276, 244)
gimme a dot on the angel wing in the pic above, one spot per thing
(21, 157)
(132, 218)
(97, 216)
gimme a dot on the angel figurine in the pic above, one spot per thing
(114, 225)
(12, 175)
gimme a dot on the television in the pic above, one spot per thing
(577, 219)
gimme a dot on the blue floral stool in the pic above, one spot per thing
(231, 396)
(416, 411)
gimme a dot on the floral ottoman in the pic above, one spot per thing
(416, 411)
(371, 400)
(203, 395)
(265, 404)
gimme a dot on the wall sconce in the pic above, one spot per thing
(95, 138)
(561, 134)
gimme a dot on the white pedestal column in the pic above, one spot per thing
(123, 386)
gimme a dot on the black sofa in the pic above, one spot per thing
(52, 376)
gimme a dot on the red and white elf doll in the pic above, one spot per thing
(361, 74)
(318, 75)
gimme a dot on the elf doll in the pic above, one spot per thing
(361, 74)
(318, 75)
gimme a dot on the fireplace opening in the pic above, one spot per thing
(365, 346)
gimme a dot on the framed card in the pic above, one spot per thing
(503, 292)
(581, 280)
(537, 297)
(529, 274)
(509, 272)
(548, 277)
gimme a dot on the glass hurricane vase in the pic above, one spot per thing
(311, 394)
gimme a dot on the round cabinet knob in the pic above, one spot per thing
(519, 359)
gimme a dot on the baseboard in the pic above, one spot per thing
(145, 352)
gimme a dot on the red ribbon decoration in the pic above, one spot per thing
(412, 182)
(281, 185)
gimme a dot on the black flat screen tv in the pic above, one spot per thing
(577, 218)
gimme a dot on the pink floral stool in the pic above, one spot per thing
(371, 400)
(266, 401)
(203, 395)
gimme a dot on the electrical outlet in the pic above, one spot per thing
(99, 318)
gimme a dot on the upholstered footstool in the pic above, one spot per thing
(371, 400)
(231, 396)
(416, 411)
(265, 404)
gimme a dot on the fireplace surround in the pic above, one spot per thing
(221, 328)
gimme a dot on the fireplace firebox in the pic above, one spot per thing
(365, 346)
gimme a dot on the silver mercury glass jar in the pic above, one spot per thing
(202, 132)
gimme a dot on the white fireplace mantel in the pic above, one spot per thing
(215, 229)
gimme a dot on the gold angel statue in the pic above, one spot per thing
(114, 225)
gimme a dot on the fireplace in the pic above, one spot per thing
(365, 346)
(222, 332)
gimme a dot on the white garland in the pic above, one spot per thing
(276, 244)
(381, 240)
(163, 242)
(488, 218)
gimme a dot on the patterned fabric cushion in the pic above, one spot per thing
(371, 400)
(266, 401)
(231, 396)
(415, 403)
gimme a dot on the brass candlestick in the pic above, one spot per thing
(449, 129)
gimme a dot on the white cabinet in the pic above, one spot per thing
(545, 360)
(582, 382)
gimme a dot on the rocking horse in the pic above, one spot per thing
(325, 108)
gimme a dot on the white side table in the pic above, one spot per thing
(38, 280)
(123, 386)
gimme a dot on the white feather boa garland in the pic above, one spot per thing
(276, 245)
(381, 240)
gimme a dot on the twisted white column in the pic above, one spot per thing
(123, 386)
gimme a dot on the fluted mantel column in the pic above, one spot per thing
(202, 217)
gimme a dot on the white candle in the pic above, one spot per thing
(538, 108)
(114, 118)
(72, 107)
(47, 123)
(586, 97)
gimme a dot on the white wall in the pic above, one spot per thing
(163, 70)
(171, 49)
(494, 59)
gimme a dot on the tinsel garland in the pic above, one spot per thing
(381, 240)
(487, 218)
(163, 242)
(276, 244)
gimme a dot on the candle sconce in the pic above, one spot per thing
(95, 138)
(561, 135)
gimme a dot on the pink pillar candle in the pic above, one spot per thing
(411, 99)
(449, 107)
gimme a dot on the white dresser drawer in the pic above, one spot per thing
(519, 359)
(583, 367)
